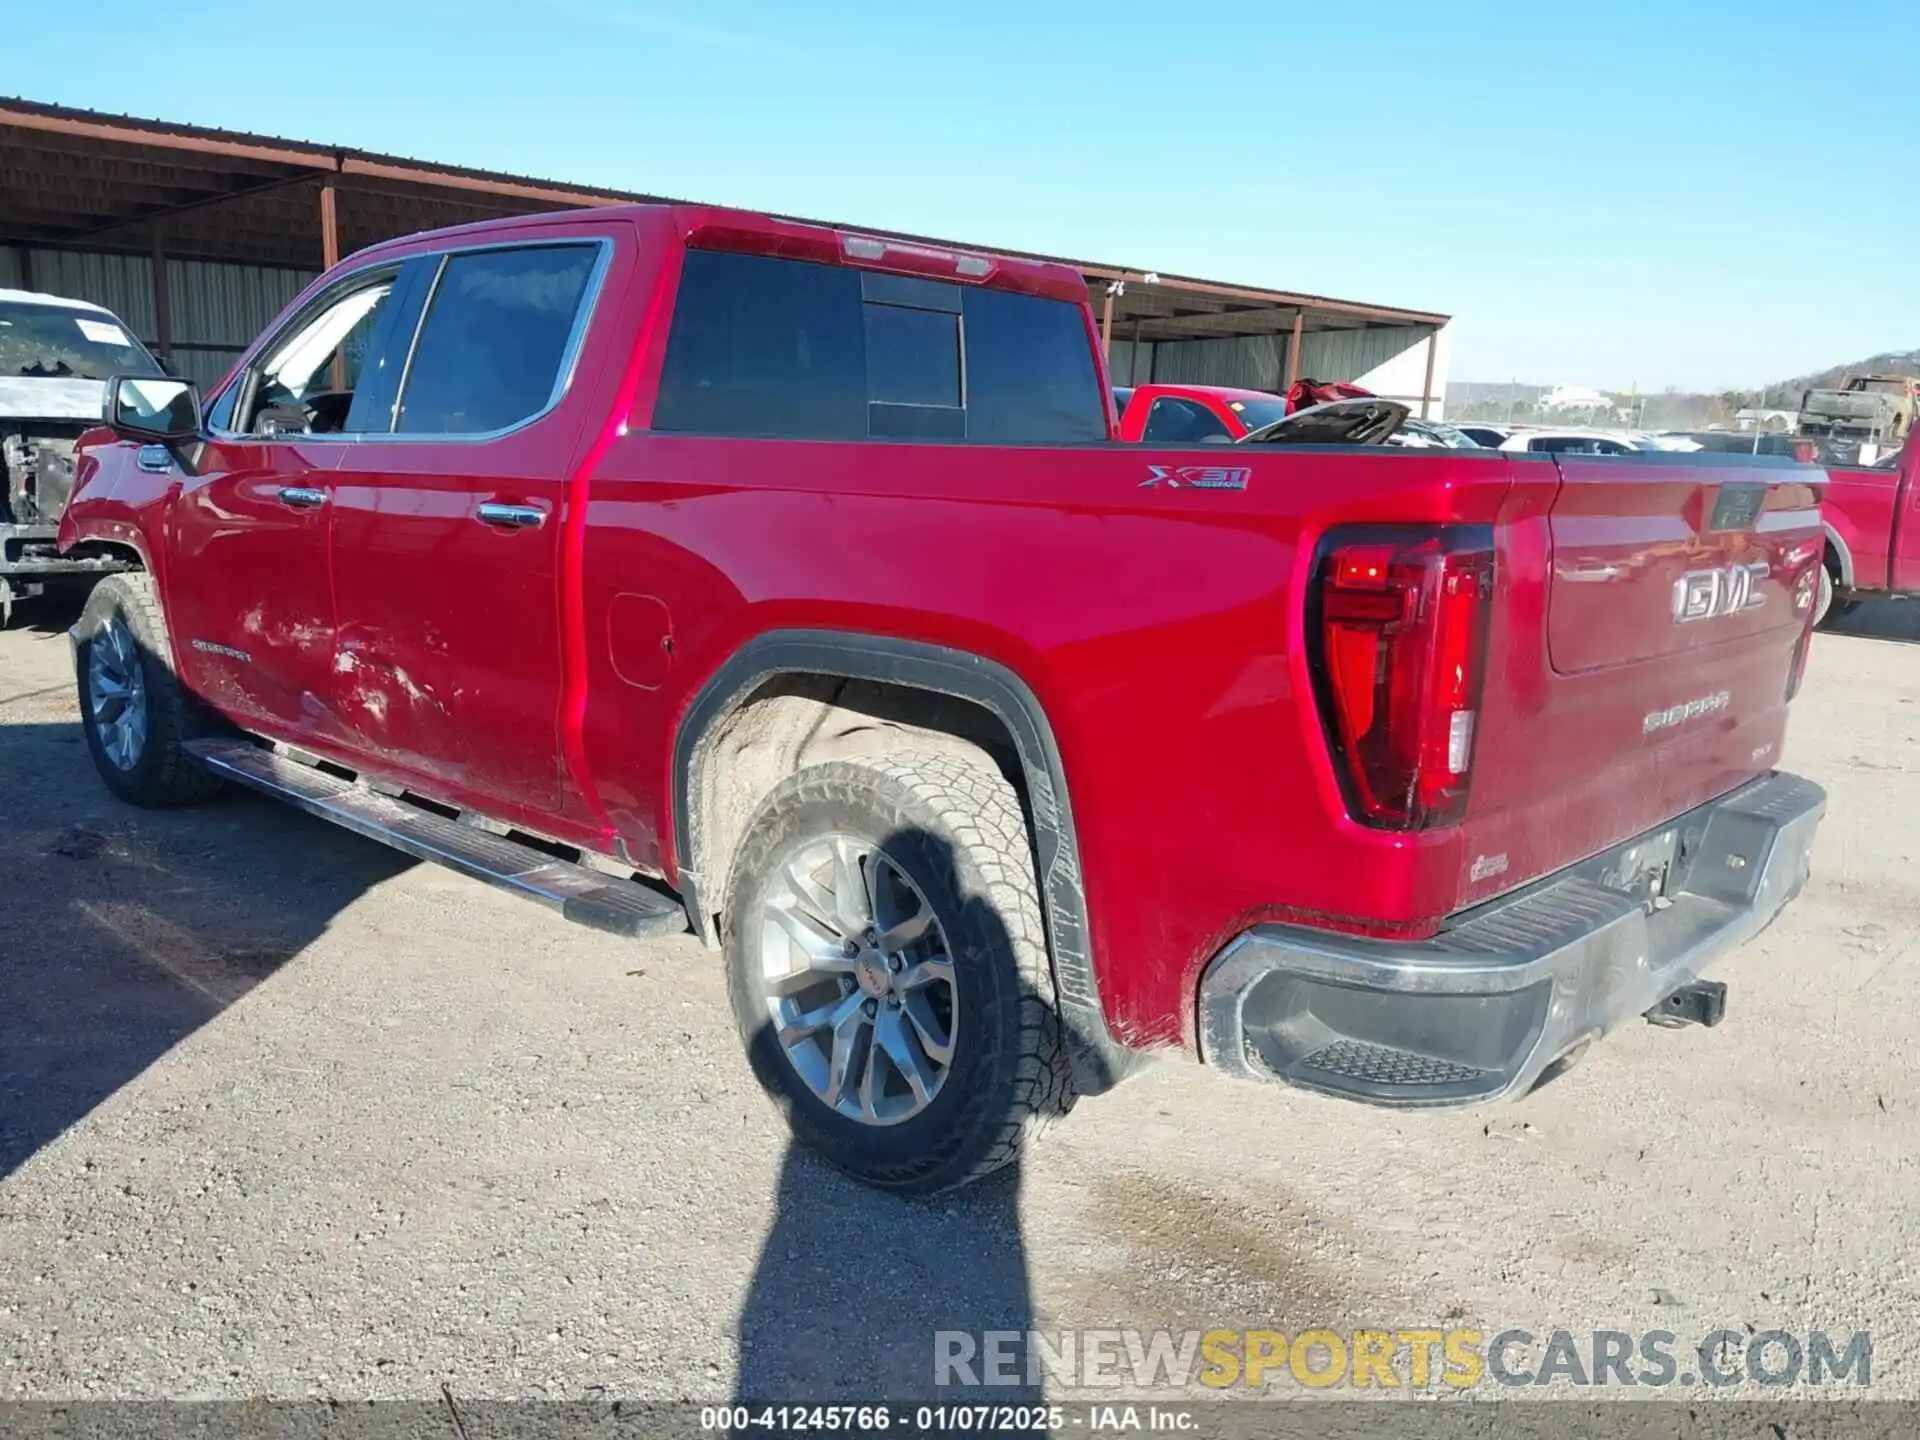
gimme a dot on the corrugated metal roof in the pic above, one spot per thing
(92, 178)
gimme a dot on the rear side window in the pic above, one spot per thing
(1030, 372)
(765, 347)
(495, 337)
(771, 347)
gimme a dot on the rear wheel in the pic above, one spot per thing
(889, 972)
(136, 715)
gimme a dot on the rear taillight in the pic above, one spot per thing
(1400, 655)
(1797, 667)
(1800, 575)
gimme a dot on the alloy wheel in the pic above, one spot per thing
(117, 694)
(859, 979)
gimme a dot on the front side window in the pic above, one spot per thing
(306, 383)
(65, 342)
(495, 339)
(1173, 421)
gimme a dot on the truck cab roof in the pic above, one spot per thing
(37, 297)
(718, 227)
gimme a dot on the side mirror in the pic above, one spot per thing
(151, 407)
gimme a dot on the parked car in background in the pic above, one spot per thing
(1196, 414)
(1872, 516)
(1749, 442)
(1590, 442)
(1433, 434)
(680, 568)
(55, 355)
(1491, 436)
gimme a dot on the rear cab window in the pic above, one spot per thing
(773, 347)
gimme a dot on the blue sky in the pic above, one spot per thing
(1693, 193)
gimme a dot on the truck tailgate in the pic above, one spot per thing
(1661, 556)
(1648, 669)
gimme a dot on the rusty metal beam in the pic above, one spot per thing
(484, 185)
(121, 133)
(186, 207)
(162, 300)
(1106, 326)
(329, 227)
(1293, 348)
(1286, 298)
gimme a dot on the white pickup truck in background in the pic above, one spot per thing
(55, 356)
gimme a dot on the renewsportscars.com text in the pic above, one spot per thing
(1417, 1358)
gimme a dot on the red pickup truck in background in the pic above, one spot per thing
(1181, 414)
(1195, 414)
(684, 568)
(1872, 516)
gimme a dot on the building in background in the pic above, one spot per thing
(199, 237)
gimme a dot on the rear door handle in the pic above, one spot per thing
(511, 517)
(302, 498)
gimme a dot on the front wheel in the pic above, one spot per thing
(135, 713)
(889, 972)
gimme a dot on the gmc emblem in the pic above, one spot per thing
(1709, 594)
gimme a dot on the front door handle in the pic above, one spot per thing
(302, 498)
(511, 517)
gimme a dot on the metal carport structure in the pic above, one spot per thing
(198, 236)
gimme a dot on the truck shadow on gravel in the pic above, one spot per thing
(122, 931)
(854, 1287)
(1897, 620)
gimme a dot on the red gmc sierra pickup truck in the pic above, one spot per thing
(684, 568)
(1873, 531)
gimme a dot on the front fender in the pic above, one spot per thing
(115, 502)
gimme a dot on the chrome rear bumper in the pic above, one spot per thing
(1481, 1010)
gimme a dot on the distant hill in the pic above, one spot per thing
(1670, 409)
(1786, 393)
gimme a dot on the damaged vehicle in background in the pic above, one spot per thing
(55, 356)
(1432, 435)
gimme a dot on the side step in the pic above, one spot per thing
(586, 897)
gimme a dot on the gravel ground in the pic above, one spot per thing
(282, 1113)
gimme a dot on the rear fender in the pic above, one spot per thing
(1100, 1060)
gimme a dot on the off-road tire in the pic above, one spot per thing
(956, 826)
(164, 774)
